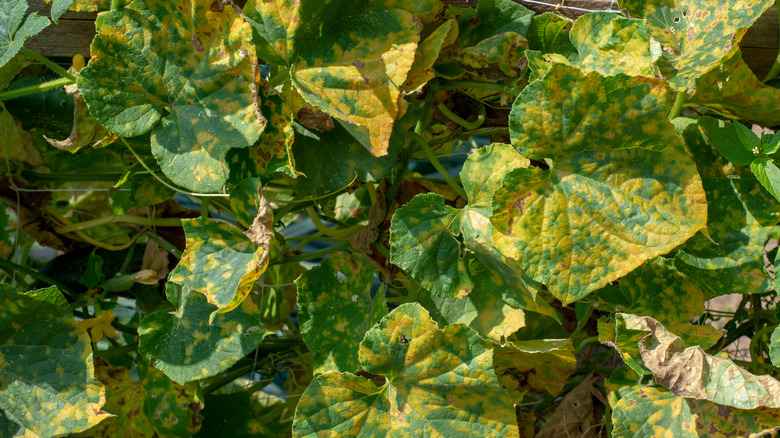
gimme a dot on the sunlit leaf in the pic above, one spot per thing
(656, 289)
(15, 28)
(619, 190)
(337, 309)
(149, 407)
(731, 259)
(536, 365)
(349, 59)
(696, 35)
(427, 11)
(46, 367)
(186, 347)
(549, 33)
(435, 382)
(427, 53)
(220, 262)
(183, 70)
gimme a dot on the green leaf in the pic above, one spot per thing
(774, 347)
(93, 273)
(15, 29)
(492, 18)
(220, 262)
(431, 382)
(244, 201)
(691, 373)
(656, 289)
(733, 90)
(549, 33)
(613, 332)
(349, 59)
(730, 259)
(46, 367)
(186, 347)
(427, 11)
(535, 365)
(657, 411)
(337, 309)
(696, 35)
(59, 7)
(196, 110)
(612, 197)
(610, 44)
(427, 53)
(151, 406)
(767, 174)
(726, 139)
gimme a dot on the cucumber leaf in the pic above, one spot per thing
(15, 28)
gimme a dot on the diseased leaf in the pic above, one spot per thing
(731, 259)
(536, 365)
(576, 414)
(349, 59)
(691, 373)
(733, 90)
(435, 382)
(427, 53)
(15, 28)
(337, 309)
(492, 18)
(656, 289)
(652, 409)
(696, 35)
(150, 407)
(46, 367)
(427, 11)
(619, 190)
(613, 332)
(186, 346)
(549, 33)
(219, 262)
(610, 44)
(184, 71)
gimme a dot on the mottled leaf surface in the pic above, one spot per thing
(733, 90)
(184, 71)
(15, 28)
(435, 382)
(186, 347)
(656, 289)
(337, 309)
(535, 365)
(696, 35)
(46, 367)
(427, 53)
(620, 188)
(692, 373)
(349, 59)
(610, 44)
(549, 33)
(219, 261)
(731, 260)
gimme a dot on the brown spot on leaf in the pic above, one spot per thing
(197, 45)
(217, 6)
(315, 119)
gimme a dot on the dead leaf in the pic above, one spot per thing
(577, 414)
(261, 232)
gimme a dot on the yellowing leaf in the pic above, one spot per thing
(617, 188)
(536, 365)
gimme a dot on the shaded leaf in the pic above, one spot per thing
(614, 333)
(536, 365)
(576, 416)
(15, 28)
(197, 110)
(219, 262)
(46, 367)
(186, 347)
(436, 382)
(337, 309)
(610, 199)
(696, 35)
(491, 18)
(86, 129)
(774, 347)
(725, 139)
(768, 175)
(731, 259)
(549, 33)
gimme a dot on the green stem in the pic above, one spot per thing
(679, 101)
(54, 67)
(227, 378)
(454, 85)
(481, 132)
(33, 89)
(11, 266)
(204, 208)
(775, 65)
(122, 218)
(437, 165)
(164, 243)
(464, 123)
(333, 232)
(425, 113)
(311, 255)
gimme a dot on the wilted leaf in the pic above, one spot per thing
(436, 382)
(427, 53)
(219, 262)
(536, 365)
(696, 35)
(15, 142)
(15, 28)
(185, 346)
(46, 367)
(349, 59)
(196, 110)
(691, 373)
(610, 44)
(576, 415)
(86, 129)
(619, 190)
(337, 309)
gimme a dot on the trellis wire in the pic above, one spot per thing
(561, 5)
